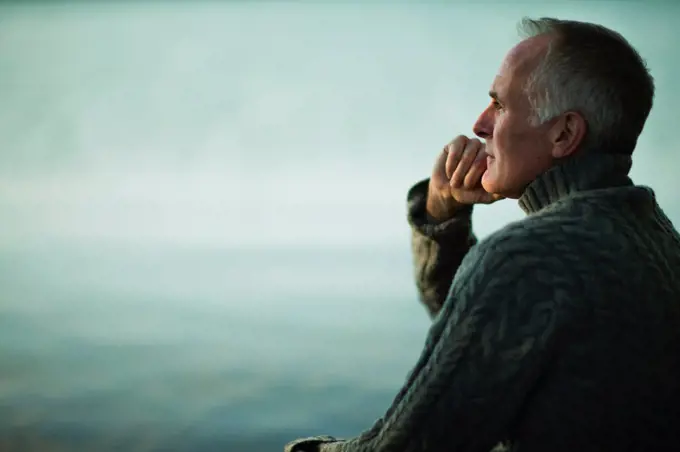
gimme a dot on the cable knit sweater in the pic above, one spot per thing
(559, 332)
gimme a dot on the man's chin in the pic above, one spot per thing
(488, 183)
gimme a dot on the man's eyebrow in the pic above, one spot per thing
(494, 95)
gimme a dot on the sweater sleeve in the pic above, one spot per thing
(437, 248)
(483, 355)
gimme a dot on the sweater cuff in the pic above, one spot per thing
(420, 220)
(309, 444)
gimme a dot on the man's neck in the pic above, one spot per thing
(576, 174)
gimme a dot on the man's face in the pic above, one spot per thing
(518, 151)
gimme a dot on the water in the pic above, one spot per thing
(129, 349)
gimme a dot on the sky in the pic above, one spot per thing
(261, 124)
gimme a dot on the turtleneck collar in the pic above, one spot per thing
(576, 174)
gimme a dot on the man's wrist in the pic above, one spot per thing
(442, 213)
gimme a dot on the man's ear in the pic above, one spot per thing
(567, 134)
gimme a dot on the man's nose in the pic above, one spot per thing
(483, 128)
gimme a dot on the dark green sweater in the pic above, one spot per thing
(560, 332)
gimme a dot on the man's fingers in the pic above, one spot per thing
(469, 156)
(473, 178)
(440, 166)
(455, 148)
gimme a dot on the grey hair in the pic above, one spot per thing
(594, 71)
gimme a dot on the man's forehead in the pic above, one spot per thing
(525, 54)
(496, 86)
(520, 60)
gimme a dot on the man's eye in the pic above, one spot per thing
(496, 105)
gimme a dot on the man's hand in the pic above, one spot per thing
(456, 179)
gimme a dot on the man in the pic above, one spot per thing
(560, 332)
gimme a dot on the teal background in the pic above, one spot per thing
(203, 243)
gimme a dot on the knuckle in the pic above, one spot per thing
(452, 159)
(470, 154)
(459, 142)
(475, 141)
(474, 145)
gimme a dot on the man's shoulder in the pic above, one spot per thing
(567, 235)
(524, 259)
(563, 226)
(532, 233)
(535, 243)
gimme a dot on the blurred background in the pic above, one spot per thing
(203, 241)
